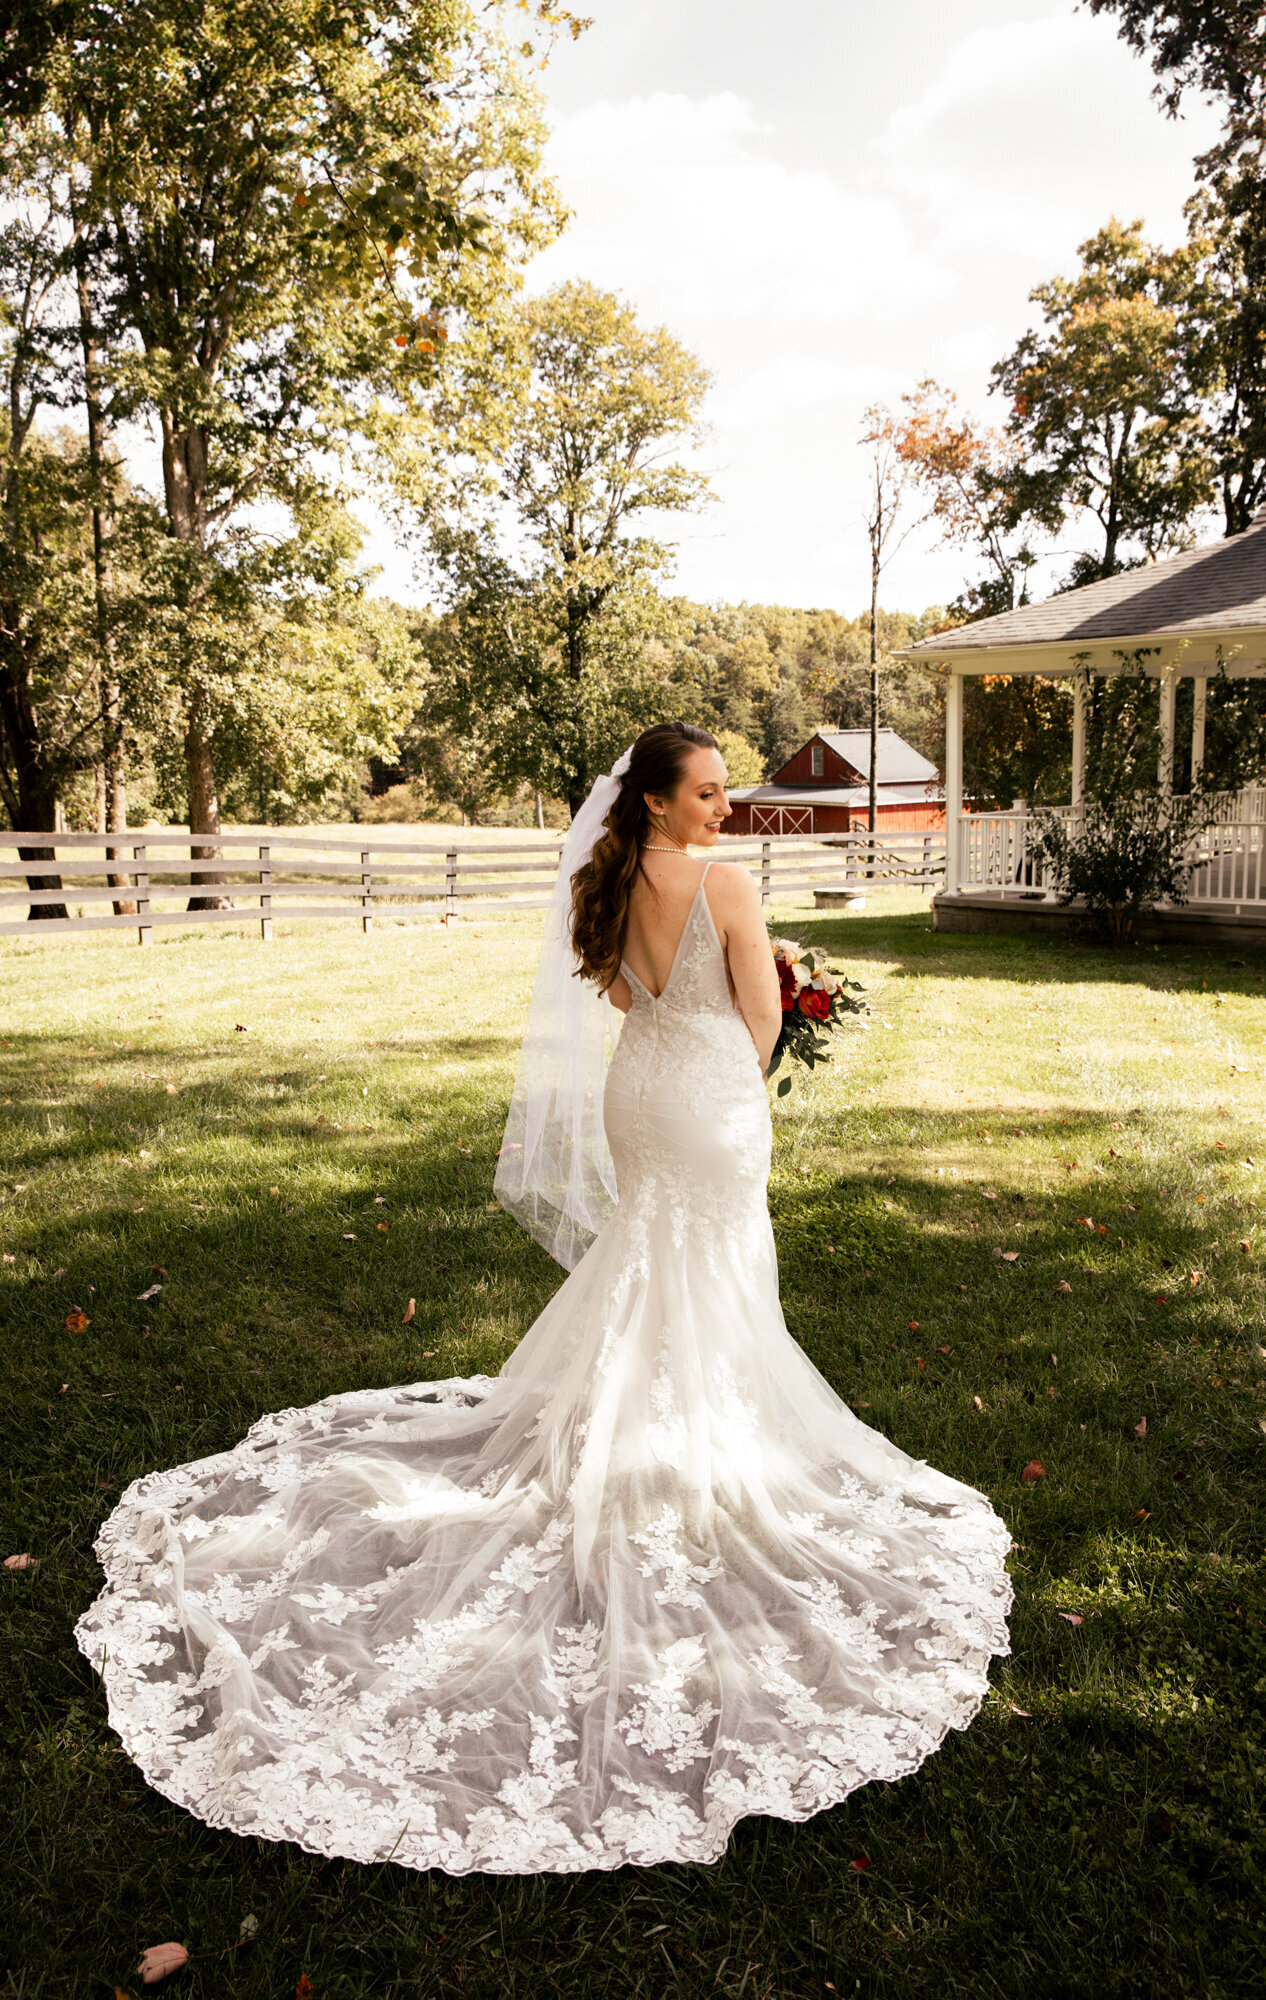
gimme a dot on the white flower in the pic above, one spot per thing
(801, 974)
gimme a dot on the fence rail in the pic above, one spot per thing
(153, 878)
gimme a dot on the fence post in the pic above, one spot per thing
(927, 861)
(366, 892)
(145, 930)
(265, 899)
(450, 884)
(764, 872)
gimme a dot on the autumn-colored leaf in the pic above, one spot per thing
(861, 1864)
(170, 1089)
(151, 1293)
(1007, 1256)
(979, 1405)
(349, 1236)
(1064, 1287)
(23, 1561)
(383, 1228)
(303, 1987)
(1033, 1470)
(1022, 1713)
(913, 1325)
(77, 1320)
(1142, 1515)
(1140, 1428)
(942, 1350)
(1071, 1616)
(239, 1028)
(160, 1961)
(409, 1311)
(1245, 1245)
(919, 1362)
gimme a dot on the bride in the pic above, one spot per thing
(652, 1577)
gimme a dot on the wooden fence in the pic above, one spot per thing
(145, 879)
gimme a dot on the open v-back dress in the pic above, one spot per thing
(652, 1577)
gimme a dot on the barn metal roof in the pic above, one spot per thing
(897, 762)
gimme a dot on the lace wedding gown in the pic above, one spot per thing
(652, 1577)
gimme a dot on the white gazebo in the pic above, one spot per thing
(1191, 614)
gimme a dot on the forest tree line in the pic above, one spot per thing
(282, 247)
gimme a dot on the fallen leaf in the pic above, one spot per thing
(1063, 1286)
(303, 1987)
(861, 1864)
(383, 1228)
(161, 1960)
(409, 1311)
(1245, 1245)
(23, 1561)
(56, 1275)
(913, 1325)
(1142, 1515)
(77, 1320)
(152, 1293)
(248, 1927)
(986, 1195)
(1007, 1256)
(866, 1406)
(239, 1028)
(1054, 1361)
(160, 1270)
(1023, 1713)
(428, 1354)
(170, 1088)
(349, 1236)
(1140, 1428)
(942, 1350)
(979, 1405)
(1034, 1470)
(1071, 1616)
(919, 1362)
(274, 1191)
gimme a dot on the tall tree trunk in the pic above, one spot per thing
(113, 774)
(204, 809)
(873, 781)
(35, 787)
(185, 490)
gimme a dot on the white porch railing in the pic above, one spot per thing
(1229, 856)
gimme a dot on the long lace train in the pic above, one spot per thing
(652, 1577)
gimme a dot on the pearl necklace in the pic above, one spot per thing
(649, 849)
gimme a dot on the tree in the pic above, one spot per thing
(967, 474)
(284, 203)
(1216, 47)
(557, 636)
(890, 478)
(1103, 407)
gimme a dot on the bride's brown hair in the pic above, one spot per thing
(600, 890)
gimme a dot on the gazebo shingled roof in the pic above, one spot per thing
(1216, 590)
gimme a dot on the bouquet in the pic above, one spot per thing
(814, 1002)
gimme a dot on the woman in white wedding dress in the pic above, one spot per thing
(652, 1577)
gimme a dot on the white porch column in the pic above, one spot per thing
(953, 779)
(1200, 704)
(1165, 765)
(1081, 699)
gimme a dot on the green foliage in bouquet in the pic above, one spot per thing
(814, 1002)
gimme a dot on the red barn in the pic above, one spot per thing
(824, 789)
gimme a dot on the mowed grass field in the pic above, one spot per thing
(1018, 1219)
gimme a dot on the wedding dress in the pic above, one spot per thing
(652, 1577)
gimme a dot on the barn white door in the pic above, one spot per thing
(782, 819)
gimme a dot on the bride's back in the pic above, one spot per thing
(660, 902)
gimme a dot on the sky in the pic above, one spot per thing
(827, 201)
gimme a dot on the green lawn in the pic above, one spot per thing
(247, 1116)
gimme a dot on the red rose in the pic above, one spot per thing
(787, 984)
(816, 1005)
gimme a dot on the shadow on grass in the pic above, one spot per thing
(1025, 959)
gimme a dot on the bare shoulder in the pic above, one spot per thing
(731, 889)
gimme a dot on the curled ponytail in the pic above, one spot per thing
(600, 890)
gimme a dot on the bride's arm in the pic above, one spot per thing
(740, 924)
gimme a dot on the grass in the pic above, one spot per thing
(245, 1116)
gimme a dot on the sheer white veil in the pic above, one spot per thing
(554, 1171)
